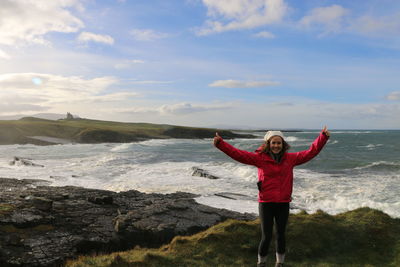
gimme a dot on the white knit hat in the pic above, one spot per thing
(270, 134)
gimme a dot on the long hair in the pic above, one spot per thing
(266, 147)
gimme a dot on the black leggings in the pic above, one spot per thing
(269, 212)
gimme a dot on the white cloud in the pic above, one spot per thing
(361, 116)
(177, 109)
(186, 108)
(8, 109)
(230, 15)
(128, 63)
(242, 84)
(136, 61)
(308, 113)
(293, 113)
(4, 55)
(264, 34)
(112, 97)
(136, 110)
(331, 18)
(24, 22)
(53, 85)
(147, 35)
(37, 91)
(150, 82)
(393, 96)
(86, 37)
(336, 19)
(369, 25)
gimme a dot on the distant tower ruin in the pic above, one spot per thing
(69, 116)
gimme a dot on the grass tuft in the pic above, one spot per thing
(6, 208)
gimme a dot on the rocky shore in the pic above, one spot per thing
(41, 225)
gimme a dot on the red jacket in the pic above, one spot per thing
(276, 178)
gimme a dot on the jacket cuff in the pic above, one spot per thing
(220, 143)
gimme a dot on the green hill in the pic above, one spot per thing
(362, 237)
(26, 130)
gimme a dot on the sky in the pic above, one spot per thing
(270, 64)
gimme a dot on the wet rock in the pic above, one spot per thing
(24, 218)
(101, 200)
(14, 240)
(165, 218)
(24, 161)
(42, 203)
(233, 196)
(43, 226)
(196, 171)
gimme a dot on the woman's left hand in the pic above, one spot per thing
(217, 139)
(326, 132)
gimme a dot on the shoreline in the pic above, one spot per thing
(36, 217)
(294, 210)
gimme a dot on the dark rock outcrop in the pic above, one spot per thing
(105, 136)
(193, 133)
(196, 171)
(233, 196)
(24, 161)
(42, 225)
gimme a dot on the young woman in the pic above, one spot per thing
(275, 183)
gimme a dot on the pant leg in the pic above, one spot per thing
(281, 218)
(266, 221)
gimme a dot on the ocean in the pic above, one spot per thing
(355, 169)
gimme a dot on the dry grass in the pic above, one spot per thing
(363, 237)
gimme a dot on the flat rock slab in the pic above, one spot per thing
(52, 140)
(41, 225)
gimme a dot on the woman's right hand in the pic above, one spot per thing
(217, 139)
(326, 132)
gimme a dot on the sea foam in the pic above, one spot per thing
(346, 174)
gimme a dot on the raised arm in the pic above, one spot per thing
(242, 156)
(315, 148)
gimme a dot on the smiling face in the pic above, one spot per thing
(276, 144)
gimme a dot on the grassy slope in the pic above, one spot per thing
(94, 131)
(363, 237)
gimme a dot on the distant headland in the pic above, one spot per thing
(72, 129)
